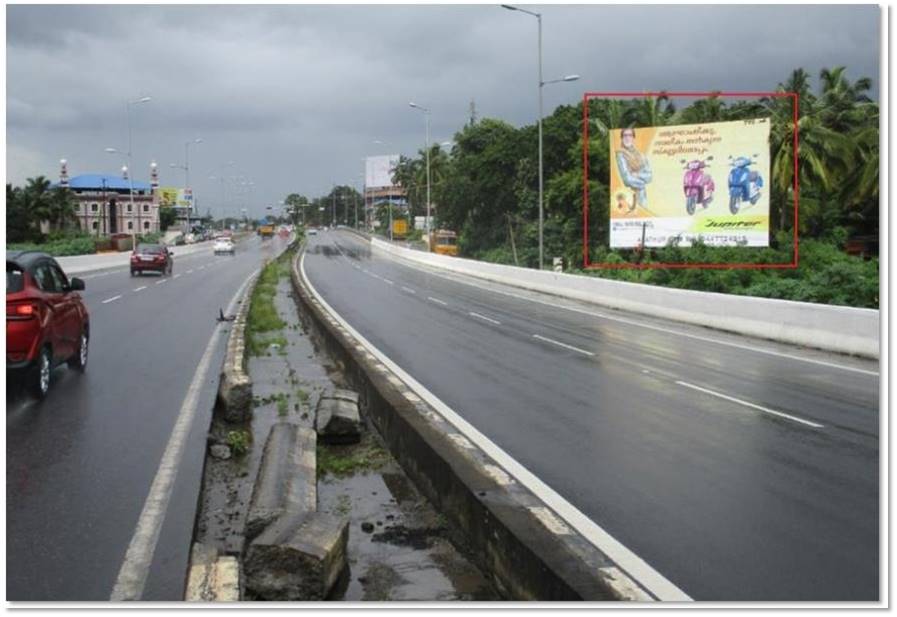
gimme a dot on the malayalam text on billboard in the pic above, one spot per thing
(676, 184)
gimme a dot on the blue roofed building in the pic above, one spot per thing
(105, 203)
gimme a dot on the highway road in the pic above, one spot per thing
(80, 464)
(739, 469)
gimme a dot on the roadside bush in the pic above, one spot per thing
(60, 246)
(825, 274)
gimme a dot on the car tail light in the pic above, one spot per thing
(25, 310)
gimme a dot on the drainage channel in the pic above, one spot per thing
(398, 547)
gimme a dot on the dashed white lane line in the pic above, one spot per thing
(112, 299)
(140, 288)
(437, 300)
(564, 345)
(640, 324)
(160, 282)
(484, 318)
(177, 275)
(201, 268)
(134, 571)
(388, 282)
(189, 271)
(408, 289)
(751, 405)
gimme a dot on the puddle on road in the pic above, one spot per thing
(399, 547)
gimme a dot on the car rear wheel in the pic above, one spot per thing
(39, 382)
(79, 360)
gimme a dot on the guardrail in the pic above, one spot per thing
(840, 329)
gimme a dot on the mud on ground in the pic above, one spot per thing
(399, 547)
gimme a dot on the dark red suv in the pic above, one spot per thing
(46, 321)
(151, 257)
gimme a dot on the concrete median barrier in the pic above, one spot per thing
(286, 481)
(235, 386)
(841, 329)
(519, 539)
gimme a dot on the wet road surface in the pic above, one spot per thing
(736, 474)
(80, 464)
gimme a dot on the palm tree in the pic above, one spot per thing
(650, 111)
(61, 209)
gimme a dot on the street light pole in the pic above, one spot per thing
(542, 83)
(427, 113)
(145, 99)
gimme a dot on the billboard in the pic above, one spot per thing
(675, 184)
(378, 170)
(171, 196)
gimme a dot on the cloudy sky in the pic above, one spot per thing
(296, 96)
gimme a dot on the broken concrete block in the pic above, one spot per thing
(297, 557)
(286, 479)
(235, 396)
(212, 578)
(337, 419)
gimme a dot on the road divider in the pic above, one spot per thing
(532, 543)
(235, 386)
(841, 329)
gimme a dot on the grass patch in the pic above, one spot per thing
(282, 404)
(341, 461)
(263, 317)
(238, 442)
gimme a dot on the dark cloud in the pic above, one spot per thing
(296, 95)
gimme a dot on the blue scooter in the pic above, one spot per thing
(744, 183)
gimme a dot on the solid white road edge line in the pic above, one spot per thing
(484, 318)
(625, 559)
(112, 299)
(135, 568)
(564, 345)
(752, 405)
(632, 322)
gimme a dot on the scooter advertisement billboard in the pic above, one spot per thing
(671, 185)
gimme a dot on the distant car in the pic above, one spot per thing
(312, 231)
(46, 321)
(152, 258)
(224, 245)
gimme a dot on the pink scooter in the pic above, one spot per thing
(698, 184)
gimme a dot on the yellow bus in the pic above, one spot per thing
(444, 242)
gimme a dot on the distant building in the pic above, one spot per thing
(105, 204)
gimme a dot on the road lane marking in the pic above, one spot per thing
(484, 318)
(177, 275)
(140, 288)
(633, 322)
(630, 563)
(388, 282)
(751, 405)
(189, 271)
(201, 268)
(112, 299)
(437, 300)
(160, 282)
(564, 345)
(409, 290)
(134, 570)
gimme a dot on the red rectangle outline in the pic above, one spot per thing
(585, 185)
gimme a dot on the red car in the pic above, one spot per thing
(46, 321)
(153, 258)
